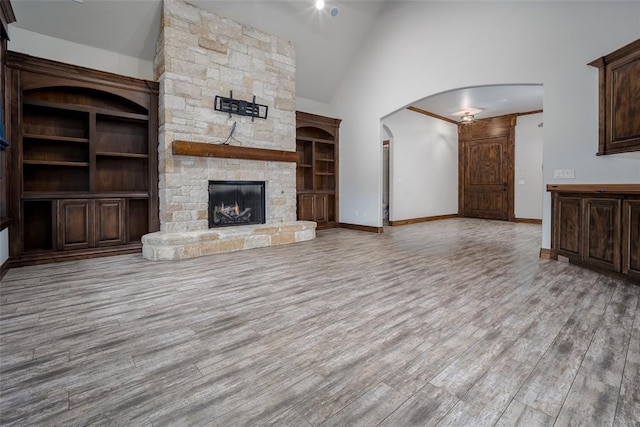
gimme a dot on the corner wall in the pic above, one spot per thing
(42, 46)
(423, 176)
(528, 178)
(4, 245)
(419, 49)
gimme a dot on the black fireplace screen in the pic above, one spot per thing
(236, 203)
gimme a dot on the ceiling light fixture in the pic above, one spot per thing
(467, 118)
(319, 4)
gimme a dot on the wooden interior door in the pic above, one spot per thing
(486, 183)
(486, 164)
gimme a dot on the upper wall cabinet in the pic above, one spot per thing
(619, 100)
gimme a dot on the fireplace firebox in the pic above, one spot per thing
(233, 203)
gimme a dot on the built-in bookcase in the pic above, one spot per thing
(317, 168)
(84, 175)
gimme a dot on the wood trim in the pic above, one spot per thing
(4, 268)
(446, 119)
(526, 113)
(545, 253)
(616, 54)
(527, 220)
(62, 256)
(40, 71)
(5, 223)
(328, 124)
(595, 188)
(359, 227)
(435, 116)
(202, 149)
(6, 17)
(423, 219)
(604, 271)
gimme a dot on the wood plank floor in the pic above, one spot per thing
(451, 323)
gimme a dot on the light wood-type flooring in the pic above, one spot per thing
(454, 322)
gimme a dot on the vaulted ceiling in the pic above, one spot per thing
(325, 45)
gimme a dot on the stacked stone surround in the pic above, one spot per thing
(201, 55)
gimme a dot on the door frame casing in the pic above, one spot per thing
(502, 126)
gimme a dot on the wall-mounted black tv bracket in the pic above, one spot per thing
(242, 108)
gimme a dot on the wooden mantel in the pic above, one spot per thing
(595, 188)
(202, 149)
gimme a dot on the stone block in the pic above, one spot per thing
(212, 44)
(181, 10)
(208, 236)
(257, 241)
(290, 227)
(166, 253)
(266, 230)
(219, 246)
(283, 238)
(305, 235)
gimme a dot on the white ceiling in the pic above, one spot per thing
(325, 45)
(484, 101)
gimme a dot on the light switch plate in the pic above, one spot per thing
(564, 173)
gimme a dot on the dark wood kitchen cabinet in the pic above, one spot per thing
(598, 226)
(619, 97)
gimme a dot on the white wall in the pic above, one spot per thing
(529, 185)
(424, 166)
(313, 107)
(420, 49)
(4, 245)
(47, 47)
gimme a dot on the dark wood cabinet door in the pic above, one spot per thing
(631, 238)
(486, 181)
(320, 208)
(75, 224)
(567, 226)
(305, 207)
(619, 88)
(110, 222)
(602, 233)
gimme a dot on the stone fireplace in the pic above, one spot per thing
(201, 55)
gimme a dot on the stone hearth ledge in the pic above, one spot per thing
(175, 246)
